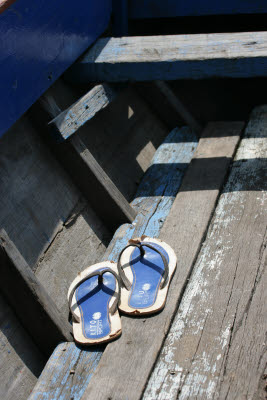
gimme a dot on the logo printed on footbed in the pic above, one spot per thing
(147, 273)
(93, 300)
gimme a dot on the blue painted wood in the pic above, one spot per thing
(39, 41)
(68, 372)
(78, 114)
(222, 55)
(179, 8)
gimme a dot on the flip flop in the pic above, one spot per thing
(93, 298)
(146, 267)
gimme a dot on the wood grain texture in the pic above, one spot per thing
(173, 57)
(35, 309)
(107, 201)
(216, 348)
(69, 121)
(30, 212)
(21, 361)
(153, 201)
(134, 355)
(136, 134)
(82, 241)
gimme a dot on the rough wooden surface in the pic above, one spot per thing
(108, 202)
(86, 172)
(30, 212)
(153, 201)
(21, 362)
(216, 348)
(69, 121)
(124, 139)
(235, 55)
(134, 355)
(27, 296)
(82, 241)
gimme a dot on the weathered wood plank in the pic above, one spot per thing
(107, 200)
(134, 355)
(82, 241)
(35, 309)
(216, 347)
(234, 55)
(21, 362)
(79, 162)
(69, 121)
(32, 213)
(153, 201)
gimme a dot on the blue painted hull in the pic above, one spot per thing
(38, 41)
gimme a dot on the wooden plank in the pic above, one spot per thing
(81, 242)
(134, 355)
(155, 196)
(37, 196)
(69, 121)
(174, 8)
(136, 133)
(35, 309)
(21, 362)
(92, 180)
(234, 55)
(216, 347)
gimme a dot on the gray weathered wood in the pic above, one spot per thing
(21, 362)
(173, 57)
(153, 202)
(81, 242)
(216, 348)
(36, 194)
(67, 122)
(92, 180)
(111, 205)
(131, 358)
(178, 106)
(36, 311)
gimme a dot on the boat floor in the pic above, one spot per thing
(208, 200)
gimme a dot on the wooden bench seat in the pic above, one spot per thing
(171, 57)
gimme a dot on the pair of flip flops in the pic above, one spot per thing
(137, 285)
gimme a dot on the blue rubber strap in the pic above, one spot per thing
(100, 274)
(140, 245)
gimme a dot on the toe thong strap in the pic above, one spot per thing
(100, 274)
(125, 280)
